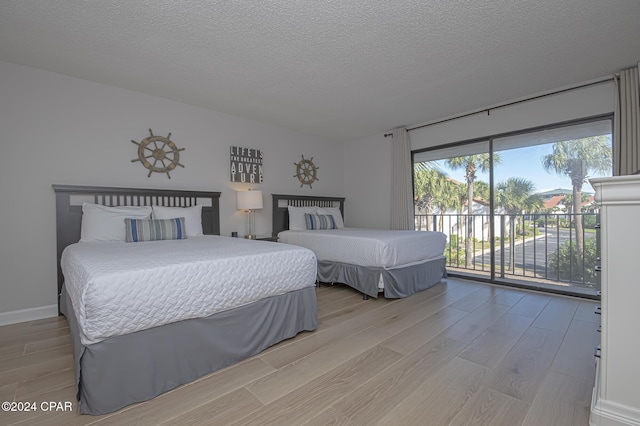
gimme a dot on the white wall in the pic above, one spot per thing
(368, 161)
(64, 130)
(367, 188)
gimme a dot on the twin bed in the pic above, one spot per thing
(175, 304)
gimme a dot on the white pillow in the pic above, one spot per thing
(333, 211)
(102, 223)
(296, 217)
(192, 217)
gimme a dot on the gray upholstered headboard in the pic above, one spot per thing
(280, 203)
(69, 199)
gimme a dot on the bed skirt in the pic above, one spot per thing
(398, 282)
(139, 366)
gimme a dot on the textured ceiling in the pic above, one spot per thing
(339, 69)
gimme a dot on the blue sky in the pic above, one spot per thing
(524, 163)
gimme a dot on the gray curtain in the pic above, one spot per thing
(626, 127)
(401, 185)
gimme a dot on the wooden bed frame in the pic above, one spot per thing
(69, 199)
(280, 217)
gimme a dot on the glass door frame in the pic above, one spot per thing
(490, 141)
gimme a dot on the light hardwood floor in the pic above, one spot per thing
(460, 353)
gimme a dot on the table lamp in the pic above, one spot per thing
(250, 201)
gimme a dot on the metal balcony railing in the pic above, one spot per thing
(545, 247)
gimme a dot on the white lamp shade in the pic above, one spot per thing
(249, 200)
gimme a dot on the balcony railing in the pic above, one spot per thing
(545, 247)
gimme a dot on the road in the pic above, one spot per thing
(532, 254)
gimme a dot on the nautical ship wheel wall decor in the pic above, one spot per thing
(306, 172)
(158, 154)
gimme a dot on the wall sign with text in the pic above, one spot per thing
(246, 165)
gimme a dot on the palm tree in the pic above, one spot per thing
(471, 164)
(516, 196)
(448, 199)
(481, 190)
(577, 159)
(567, 200)
(428, 184)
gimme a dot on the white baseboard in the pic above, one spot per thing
(30, 314)
(608, 413)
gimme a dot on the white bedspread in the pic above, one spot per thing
(369, 247)
(118, 288)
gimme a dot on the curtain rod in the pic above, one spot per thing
(488, 110)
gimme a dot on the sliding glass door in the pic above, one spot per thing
(518, 208)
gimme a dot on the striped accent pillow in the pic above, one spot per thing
(138, 230)
(319, 221)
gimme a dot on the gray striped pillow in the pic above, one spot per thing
(319, 221)
(138, 230)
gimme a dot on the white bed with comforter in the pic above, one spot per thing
(396, 263)
(369, 247)
(118, 288)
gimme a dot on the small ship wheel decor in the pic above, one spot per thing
(306, 172)
(158, 154)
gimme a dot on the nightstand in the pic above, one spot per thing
(269, 238)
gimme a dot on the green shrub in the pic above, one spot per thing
(589, 221)
(454, 251)
(568, 262)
